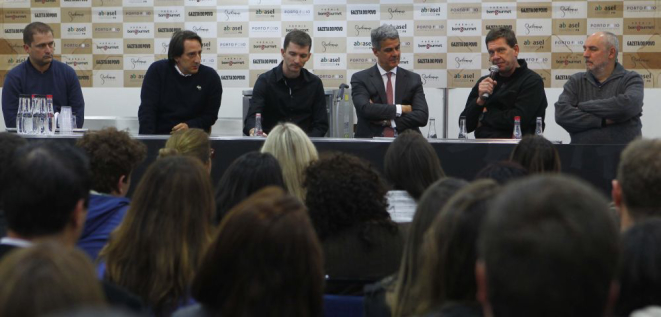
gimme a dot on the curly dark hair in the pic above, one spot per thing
(344, 191)
(112, 154)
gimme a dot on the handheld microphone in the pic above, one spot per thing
(493, 70)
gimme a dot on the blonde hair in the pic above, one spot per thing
(189, 142)
(294, 151)
(45, 279)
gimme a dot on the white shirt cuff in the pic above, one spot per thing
(399, 110)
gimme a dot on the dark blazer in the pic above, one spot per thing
(368, 85)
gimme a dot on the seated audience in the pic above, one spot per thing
(637, 189)
(9, 142)
(113, 156)
(294, 151)
(537, 155)
(502, 172)
(246, 175)
(264, 261)
(395, 291)
(157, 248)
(548, 248)
(640, 268)
(446, 282)
(347, 204)
(190, 142)
(46, 279)
(48, 201)
(411, 165)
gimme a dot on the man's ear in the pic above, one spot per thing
(79, 215)
(616, 193)
(121, 184)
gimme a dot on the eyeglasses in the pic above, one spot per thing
(212, 154)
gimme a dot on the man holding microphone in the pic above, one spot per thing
(513, 90)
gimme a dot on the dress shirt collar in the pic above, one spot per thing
(20, 243)
(180, 73)
(280, 75)
(383, 72)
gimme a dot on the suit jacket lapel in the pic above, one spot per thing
(377, 81)
(400, 85)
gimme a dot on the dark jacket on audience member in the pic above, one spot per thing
(458, 310)
(105, 213)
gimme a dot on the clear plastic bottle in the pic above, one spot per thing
(517, 128)
(431, 134)
(23, 102)
(258, 125)
(28, 122)
(539, 127)
(50, 115)
(462, 128)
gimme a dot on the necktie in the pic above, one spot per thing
(388, 131)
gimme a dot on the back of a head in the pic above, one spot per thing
(47, 181)
(294, 151)
(502, 172)
(45, 279)
(9, 143)
(537, 155)
(246, 175)
(549, 248)
(639, 175)
(343, 191)
(450, 247)
(112, 154)
(164, 233)
(264, 261)
(189, 142)
(640, 268)
(411, 164)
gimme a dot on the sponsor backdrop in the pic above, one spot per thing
(111, 43)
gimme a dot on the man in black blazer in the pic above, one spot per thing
(388, 98)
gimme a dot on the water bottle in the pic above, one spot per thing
(431, 134)
(462, 128)
(517, 128)
(43, 116)
(23, 102)
(28, 122)
(50, 115)
(539, 127)
(258, 125)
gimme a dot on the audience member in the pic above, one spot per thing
(47, 278)
(640, 267)
(395, 291)
(9, 142)
(190, 142)
(246, 175)
(637, 189)
(548, 248)
(446, 283)
(537, 155)
(347, 205)
(48, 201)
(265, 261)
(502, 172)
(294, 151)
(157, 248)
(411, 165)
(113, 156)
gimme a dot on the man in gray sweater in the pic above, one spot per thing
(604, 104)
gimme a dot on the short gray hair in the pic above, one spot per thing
(611, 41)
(384, 32)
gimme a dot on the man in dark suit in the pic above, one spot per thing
(388, 98)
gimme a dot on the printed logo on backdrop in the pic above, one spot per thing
(432, 78)
(464, 44)
(198, 14)
(16, 15)
(169, 3)
(641, 61)
(13, 31)
(200, 3)
(76, 46)
(264, 45)
(106, 15)
(138, 30)
(107, 46)
(568, 43)
(11, 47)
(534, 10)
(46, 15)
(84, 77)
(233, 45)
(108, 62)
(488, 25)
(235, 78)
(78, 62)
(209, 45)
(134, 78)
(209, 60)
(233, 29)
(138, 3)
(161, 46)
(406, 60)
(330, 12)
(45, 3)
(265, 14)
(610, 25)
(499, 11)
(265, 29)
(138, 46)
(533, 27)
(329, 45)
(77, 30)
(396, 12)
(165, 30)
(642, 43)
(108, 78)
(106, 3)
(138, 15)
(359, 45)
(16, 4)
(233, 61)
(464, 61)
(138, 62)
(641, 26)
(330, 61)
(568, 61)
(404, 28)
(9, 62)
(171, 14)
(330, 29)
(107, 30)
(430, 12)
(233, 14)
(430, 45)
(569, 26)
(605, 9)
(464, 78)
(365, 12)
(76, 3)
(537, 60)
(535, 44)
(331, 78)
(297, 13)
(305, 26)
(640, 10)
(546, 76)
(430, 28)
(568, 10)
(430, 61)
(361, 28)
(360, 61)
(264, 61)
(464, 11)
(561, 76)
(464, 28)
(203, 29)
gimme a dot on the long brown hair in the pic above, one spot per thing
(265, 261)
(158, 246)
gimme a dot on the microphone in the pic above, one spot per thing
(493, 69)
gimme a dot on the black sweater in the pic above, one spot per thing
(521, 94)
(168, 98)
